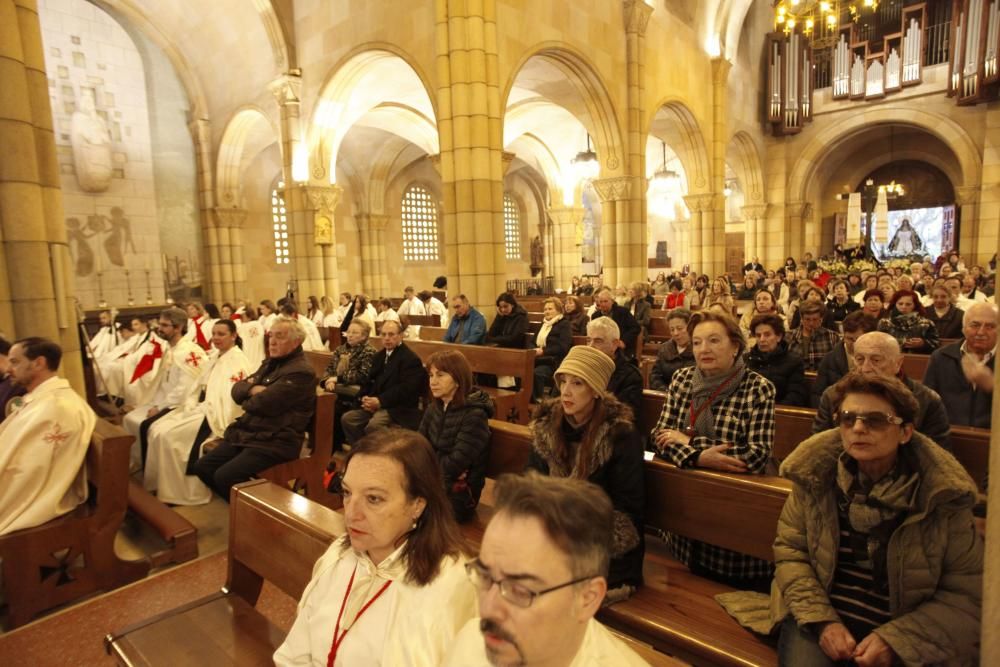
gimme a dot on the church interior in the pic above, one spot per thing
(163, 152)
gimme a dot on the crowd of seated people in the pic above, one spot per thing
(419, 444)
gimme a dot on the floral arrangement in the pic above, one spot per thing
(898, 264)
(833, 266)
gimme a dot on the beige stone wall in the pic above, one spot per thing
(265, 279)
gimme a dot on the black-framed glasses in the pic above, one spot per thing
(876, 421)
(510, 590)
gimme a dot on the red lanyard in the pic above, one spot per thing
(715, 394)
(338, 638)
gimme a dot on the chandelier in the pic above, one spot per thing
(809, 16)
(585, 164)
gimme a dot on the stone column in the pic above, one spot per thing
(967, 197)
(990, 654)
(313, 239)
(679, 252)
(36, 294)
(755, 216)
(374, 266)
(796, 216)
(201, 133)
(470, 129)
(231, 272)
(715, 243)
(614, 194)
(632, 230)
(565, 255)
(699, 255)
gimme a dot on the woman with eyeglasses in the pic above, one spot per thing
(393, 589)
(877, 561)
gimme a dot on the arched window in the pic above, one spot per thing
(511, 227)
(280, 222)
(420, 228)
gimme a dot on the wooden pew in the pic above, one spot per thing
(273, 536)
(430, 333)
(305, 475)
(424, 320)
(74, 555)
(915, 366)
(178, 534)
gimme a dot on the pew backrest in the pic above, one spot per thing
(510, 448)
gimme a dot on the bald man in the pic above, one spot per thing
(878, 353)
(962, 373)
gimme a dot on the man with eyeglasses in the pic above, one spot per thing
(962, 373)
(392, 395)
(541, 579)
(878, 354)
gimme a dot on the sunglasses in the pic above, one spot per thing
(876, 421)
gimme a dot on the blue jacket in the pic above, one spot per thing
(473, 329)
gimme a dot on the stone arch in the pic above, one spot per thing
(247, 133)
(275, 34)
(356, 86)
(673, 122)
(744, 158)
(597, 114)
(825, 143)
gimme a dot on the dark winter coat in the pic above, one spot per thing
(577, 322)
(833, 367)
(628, 328)
(557, 345)
(642, 314)
(509, 330)
(626, 382)
(785, 370)
(668, 361)
(460, 436)
(949, 326)
(398, 383)
(275, 419)
(839, 311)
(966, 405)
(911, 325)
(616, 465)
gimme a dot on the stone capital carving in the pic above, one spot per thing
(286, 89)
(322, 199)
(507, 158)
(755, 211)
(230, 217)
(967, 195)
(802, 210)
(703, 202)
(566, 215)
(436, 162)
(720, 70)
(372, 222)
(636, 14)
(613, 189)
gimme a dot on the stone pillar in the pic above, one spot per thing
(374, 265)
(312, 239)
(796, 216)
(967, 198)
(614, 194)
(755, 216)
(231, 272)
(682, 243)
(715, 243)
(565, 255)
(201, 133)
(632, 230)
(470, 129)
(700, 254)
(36, 294)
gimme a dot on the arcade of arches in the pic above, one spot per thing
(257, 145)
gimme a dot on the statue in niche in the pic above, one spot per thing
(91, 143)
(905, 241)
(79, 247)
(537, 252)
(323, 230)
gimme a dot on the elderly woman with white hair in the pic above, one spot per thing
(586, 433)
(278, 402)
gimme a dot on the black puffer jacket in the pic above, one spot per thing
(275, 419)
(785, 370)
(626, 382)
(460, 436)
(509, 330)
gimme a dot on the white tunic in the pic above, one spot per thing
(112, 365)
(435, 307)
(203, 324)
(104, 341)
(411, 306)
(388, 314)
(336, 318)
(170, 438)
(252, 335)
(408, 625)
(599, 649)
(43, 445)
(313, 341)
(180, 367)
(139, 385)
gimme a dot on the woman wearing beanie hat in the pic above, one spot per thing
(586, 433)
(718, 414)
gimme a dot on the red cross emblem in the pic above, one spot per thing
(252, 333)
(193, 360)
(56, 436)
(236, 378)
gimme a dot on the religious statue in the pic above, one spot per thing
(537, 252)
(323, 230)
(91, 143)
(905, 241)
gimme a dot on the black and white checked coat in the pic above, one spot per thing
(745, 420)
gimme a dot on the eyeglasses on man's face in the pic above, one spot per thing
(511, 591)
(876, 421)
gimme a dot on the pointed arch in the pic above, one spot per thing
(744, 158)
(247, 133)
(674, 123)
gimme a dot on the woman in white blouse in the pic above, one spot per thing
(393, 589)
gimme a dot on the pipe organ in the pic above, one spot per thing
(789, 82)
(975, 43)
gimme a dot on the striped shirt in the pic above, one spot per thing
(859, 600)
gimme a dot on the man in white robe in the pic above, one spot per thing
(411, 304)
(181, 365)
(44, 441)
(199, 326)
(433, 306)
(141, 368)
(106, 338)
(175, 440)
(385, 312)
(113, 363)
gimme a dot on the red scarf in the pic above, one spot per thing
(200, 335)
(147, 362)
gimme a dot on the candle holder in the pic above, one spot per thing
(101, 303)
(166, 288)
(149, 292)
(128, 287)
